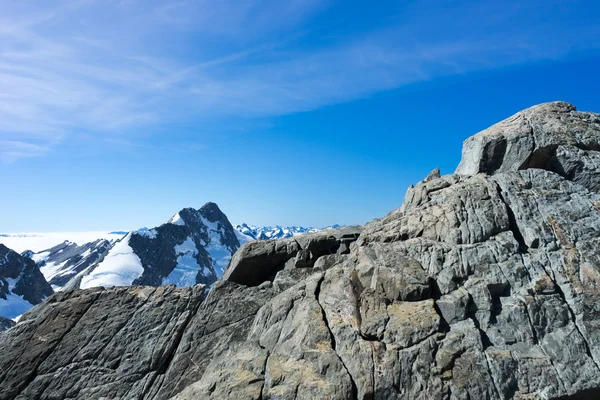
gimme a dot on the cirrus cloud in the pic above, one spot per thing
(112, 68)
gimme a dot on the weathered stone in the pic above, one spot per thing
(529, 139)
(410, 323)
(259, 261)
(481, 286)
(374, 315)
(95, 343)
(237, 373)
(454, 306)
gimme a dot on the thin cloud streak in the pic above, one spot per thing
(65, 70)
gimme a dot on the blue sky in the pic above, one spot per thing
(114, 114)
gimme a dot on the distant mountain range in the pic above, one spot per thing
(275, 232)
(193, 247)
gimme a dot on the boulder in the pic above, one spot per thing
(530, 139)
(259, 261)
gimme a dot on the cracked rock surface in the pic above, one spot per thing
(483, 285)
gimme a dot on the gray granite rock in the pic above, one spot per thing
(482, 285)
(95, 343)
(259, 261)
(530, 138)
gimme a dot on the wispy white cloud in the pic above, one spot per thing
(113, 67)
(13, 150)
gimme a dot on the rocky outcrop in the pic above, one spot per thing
(95, 343)
(482, 285)
(259, 261)
(552, 136)
(21, 285)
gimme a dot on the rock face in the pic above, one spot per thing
(551, 136)
(21, 285)
(480, 286)
(258, 261)
(95, 343)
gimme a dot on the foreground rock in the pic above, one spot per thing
(480, 286)
(259, 261)
(95, 343)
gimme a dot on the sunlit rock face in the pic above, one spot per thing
(482, 285)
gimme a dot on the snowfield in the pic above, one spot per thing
(120, 267)
(14, 305)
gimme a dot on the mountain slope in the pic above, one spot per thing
(22, 285)
(193, 247)
(61, 263)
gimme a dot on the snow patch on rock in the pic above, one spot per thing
(184, 274)
(177, 220)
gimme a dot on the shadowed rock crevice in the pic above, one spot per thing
(540, 158)
(513, 225)
(492, 156)
(317, 295)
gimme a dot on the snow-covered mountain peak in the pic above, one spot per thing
(253, 232)
(194, 246)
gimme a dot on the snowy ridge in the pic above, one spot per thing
(61, 264)
(194, 246)
(176, 220)
(218, 251)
